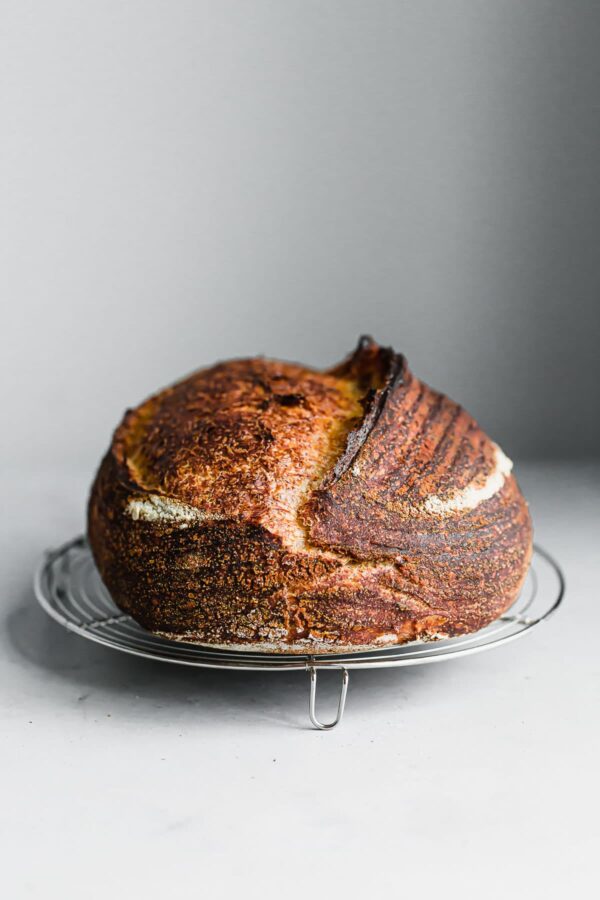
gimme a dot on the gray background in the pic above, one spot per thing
(187, 181)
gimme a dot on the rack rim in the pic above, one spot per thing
(68, 588)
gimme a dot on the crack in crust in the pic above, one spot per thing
(264, 504)
(369, 363)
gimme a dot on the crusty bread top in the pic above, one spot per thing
(247, 439)
(252, 439)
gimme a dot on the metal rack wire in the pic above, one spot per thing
(69, 588)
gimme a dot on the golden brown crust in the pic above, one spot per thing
(263, 504)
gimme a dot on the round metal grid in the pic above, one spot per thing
(69, 588)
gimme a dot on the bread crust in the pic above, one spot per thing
(263, 505)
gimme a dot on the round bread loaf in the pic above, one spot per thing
(262, 505)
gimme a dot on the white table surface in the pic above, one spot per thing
(126, 778)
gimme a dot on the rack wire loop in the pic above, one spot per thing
(312, 703)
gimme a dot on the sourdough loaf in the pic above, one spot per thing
(264, 505)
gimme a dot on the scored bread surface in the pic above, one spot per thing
(263, 505)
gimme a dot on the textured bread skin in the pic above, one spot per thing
(262, 505)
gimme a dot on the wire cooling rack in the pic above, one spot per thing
(69, 589)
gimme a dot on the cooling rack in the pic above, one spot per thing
(69, 589)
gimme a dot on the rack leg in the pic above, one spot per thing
(313, 700)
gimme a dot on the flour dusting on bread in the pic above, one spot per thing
(163, 509)
(473, 494)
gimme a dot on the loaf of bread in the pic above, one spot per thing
(262, 505)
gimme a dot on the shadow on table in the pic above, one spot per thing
(280, 698)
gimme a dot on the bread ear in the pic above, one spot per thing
(379, 371)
